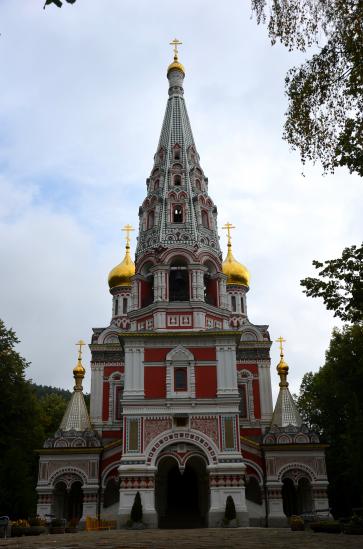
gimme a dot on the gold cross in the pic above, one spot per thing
(128, 228)
(80, 343)
(281, 340)
(176, 43)
(228, 226)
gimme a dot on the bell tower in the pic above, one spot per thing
(179, 281)
(180, 379)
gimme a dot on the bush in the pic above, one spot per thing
(354, 526)
(230, 511)
(328, 526)
(297, 523)
(36, 521)
(136, 511)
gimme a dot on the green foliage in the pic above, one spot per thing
(136, 511)
(340, 284)
(20, 431)
(230, 510)
(324, 118)
(331, 403)
(45, 390)
(29, 414)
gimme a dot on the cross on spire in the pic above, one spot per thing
(127, 229)
(80, 344)
(228, 226)
(281, 340)
(176, 43)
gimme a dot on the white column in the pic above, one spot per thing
(97, 393)
(134, 370)
(265, 390)
(226, 369)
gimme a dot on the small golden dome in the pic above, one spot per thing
(122, 273)
(176, 66)
(237, 273)
(79, 370)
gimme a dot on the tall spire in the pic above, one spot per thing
(76, 416)
(285, 412)
(177, 210)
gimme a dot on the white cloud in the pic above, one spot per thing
(81, 105)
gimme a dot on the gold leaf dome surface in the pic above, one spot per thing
(176, 66)
(237, 273)
(122, 273)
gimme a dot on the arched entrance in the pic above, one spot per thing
(68, 501)
(297, 499)
(182, 493)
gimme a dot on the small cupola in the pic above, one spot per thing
(237, 274)
(123, 272)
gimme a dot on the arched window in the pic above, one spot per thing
(242, 306)
(205, 221)
(243, 409)
(176, 152)
(177, 180)
(111, 494)
(233, 303)
(198, 184)
(178, 281)
(146, 286)
(180, 379)
(116, 306)
(177, 214)
(156, 185)
(150, 219)
(253, 490)
(124, 305)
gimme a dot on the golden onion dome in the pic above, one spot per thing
(122, 273)
(176, 66)
(79, 370)
(237, 273)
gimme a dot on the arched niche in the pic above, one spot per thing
(179, 280)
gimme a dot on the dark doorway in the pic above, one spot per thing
(289, 497)
(68, 504)
(75, 502)
(182, 497)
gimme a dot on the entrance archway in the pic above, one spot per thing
(68, 503)
(182, 494)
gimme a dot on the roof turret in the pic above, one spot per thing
(285, 412)
(76, 416)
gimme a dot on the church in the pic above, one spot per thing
(181, 404)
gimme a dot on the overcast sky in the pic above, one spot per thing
(83, 91)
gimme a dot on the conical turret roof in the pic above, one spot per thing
(177, 181)
(285, 412)
(76, 416)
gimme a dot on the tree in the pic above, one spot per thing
(136, 510)
(230, 510)
(324, 119)
(340, 284)
(58, 3)
(20, 431)
(331, 403)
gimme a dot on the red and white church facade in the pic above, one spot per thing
(181, 408)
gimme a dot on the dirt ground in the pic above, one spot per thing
(238, 538)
